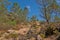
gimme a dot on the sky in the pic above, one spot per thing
(31, 5)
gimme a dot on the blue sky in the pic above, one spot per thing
(31, 5)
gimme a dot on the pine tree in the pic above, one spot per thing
(19, 13)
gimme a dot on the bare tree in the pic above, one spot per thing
(47, 7)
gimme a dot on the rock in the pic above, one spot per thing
(23, 31)
(32, 38)
(11, 31)
(39, 37)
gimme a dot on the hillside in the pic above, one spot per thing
(31, 31)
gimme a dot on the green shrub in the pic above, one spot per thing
(13, 35)
(11, 22)
(42, 35)
(49, 32)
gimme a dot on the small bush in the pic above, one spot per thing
(42, 35)
(49, 32)
(13, 35)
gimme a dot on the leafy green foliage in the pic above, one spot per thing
(11, 19)
(19, 13)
